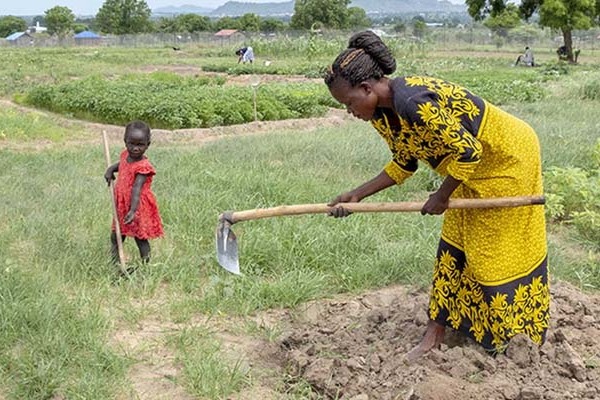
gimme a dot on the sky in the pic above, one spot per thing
(90, 7)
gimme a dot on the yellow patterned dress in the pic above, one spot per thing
(491, 278)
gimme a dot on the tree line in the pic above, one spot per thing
(121, 17)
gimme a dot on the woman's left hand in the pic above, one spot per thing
(435, 205)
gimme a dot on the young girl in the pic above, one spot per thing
(136, 205)
(490, 279)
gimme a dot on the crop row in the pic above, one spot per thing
(171, 101)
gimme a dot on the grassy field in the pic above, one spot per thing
(62, 305)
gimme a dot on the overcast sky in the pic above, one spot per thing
(90, 7)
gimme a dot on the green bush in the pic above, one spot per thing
(170, 101)
(591, 90)
(573, 197)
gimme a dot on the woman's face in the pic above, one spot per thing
(360, 100)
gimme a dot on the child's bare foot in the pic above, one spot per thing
(433, 338)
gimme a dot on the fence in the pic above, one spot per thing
(456, 38)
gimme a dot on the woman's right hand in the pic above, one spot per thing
(338, 211)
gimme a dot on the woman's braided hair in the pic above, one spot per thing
(366, 57)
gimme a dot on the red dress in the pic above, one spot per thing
(147, 223)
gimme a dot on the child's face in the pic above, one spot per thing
(137, 143)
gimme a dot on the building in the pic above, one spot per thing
(20, 39)
(87, 38)
(229, 35)
(37, 28)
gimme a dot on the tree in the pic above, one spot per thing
(357, 18)
(40, 19)
(563, 15)
(123, 17)
(419, 28)
(227, 23)
(184, 23)
(79, 27)
(503, 21)
(249, 22)
(328, 13)
(11, 24)
(59, 20)
(273, 25)
(566, 16)
(400, 27)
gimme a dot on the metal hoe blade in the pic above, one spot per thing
(227, 248)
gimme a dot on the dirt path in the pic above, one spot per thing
(91, 131)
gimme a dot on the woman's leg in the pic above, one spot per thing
(115, 248)
(434, 336)
(144, 247)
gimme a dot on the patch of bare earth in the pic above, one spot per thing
(353, 348)
(154, 370)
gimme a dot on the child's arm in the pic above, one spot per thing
(109, 175)
(135, 196)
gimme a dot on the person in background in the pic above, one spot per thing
(526, 58)
(245, 54)
(490, 278)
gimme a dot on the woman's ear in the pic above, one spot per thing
(366, 86)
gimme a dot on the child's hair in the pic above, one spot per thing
(366, 57)
(138, 126)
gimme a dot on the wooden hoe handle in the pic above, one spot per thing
(405, 206)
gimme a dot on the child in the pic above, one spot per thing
(490, 279)
(136, 205)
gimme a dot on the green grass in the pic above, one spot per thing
(18, 126)
(60, 302)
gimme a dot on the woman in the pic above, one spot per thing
(490, 279)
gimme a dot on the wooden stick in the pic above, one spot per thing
(114, 208)
(406, 206)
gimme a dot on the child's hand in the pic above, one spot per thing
(129, 217)
(109, 175)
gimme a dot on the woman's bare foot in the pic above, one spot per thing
(433, 338)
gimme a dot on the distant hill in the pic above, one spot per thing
(406, 6)
(185, 9)
(238, 8)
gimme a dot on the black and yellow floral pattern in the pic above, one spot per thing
(432, 126)
(491, 277)
(490, 315)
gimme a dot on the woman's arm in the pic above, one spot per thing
(380, 182)
(140, 179)
(438, 201)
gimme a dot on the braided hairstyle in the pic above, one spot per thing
(138, 126)
(366, 57)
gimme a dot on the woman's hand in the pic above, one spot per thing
(436, 204)
(339, 211)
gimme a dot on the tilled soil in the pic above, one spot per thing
(354, 349)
